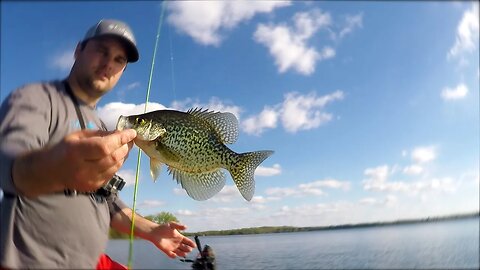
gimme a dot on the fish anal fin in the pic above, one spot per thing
(199, 186)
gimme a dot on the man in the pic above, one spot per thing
(58, 164)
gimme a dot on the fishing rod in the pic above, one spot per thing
(137, 173)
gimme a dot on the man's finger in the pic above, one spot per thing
(105, 144)
(177, 226)
(189, 242)
(119, 138)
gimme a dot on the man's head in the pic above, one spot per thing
(115, 29)
(101, 58)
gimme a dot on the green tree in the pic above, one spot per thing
(162, 217)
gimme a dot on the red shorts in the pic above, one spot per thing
(106, 263)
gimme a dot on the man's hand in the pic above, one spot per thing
(91, 158)
(169, 240)
(84, 161)
(165, 237)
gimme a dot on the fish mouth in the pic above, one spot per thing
(123, 123)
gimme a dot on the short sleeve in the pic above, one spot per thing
(25, 117)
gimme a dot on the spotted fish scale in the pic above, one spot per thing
(192, 145)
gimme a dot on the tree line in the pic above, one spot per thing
(165, 217)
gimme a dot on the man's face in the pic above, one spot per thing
(100, 65)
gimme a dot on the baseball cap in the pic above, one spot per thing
(118, 29)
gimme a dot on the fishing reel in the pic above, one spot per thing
(205, 259)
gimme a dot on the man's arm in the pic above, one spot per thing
(82, 161)
(165, 236)
(31, 165)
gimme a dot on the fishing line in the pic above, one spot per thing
(172, 68)
(137, 173)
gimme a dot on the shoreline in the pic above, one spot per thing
(286, 229)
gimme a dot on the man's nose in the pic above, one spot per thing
(108, 62)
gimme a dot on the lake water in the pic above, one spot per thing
(452, 244)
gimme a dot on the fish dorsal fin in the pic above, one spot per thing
(225, 124)
(199, 186)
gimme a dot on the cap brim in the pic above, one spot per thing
(132, 52)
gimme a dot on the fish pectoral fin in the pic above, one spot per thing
(199, 186)
(155, 168)
(165, 152)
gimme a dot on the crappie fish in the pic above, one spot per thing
(192, 144)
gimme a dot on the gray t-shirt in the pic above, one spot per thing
(54, 230)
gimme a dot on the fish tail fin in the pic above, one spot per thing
(243, 170)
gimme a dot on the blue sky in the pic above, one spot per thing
(372, 108)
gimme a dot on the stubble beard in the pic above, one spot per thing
(94, 87)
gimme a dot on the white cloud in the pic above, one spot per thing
(184, 212)
(304, 112)
(268, 118)
(296, 112)
(424, 154)
(378, 180)
(227, 194)
(150, 204)
(63, 60)
(281, 192)
(456, 93)
(328, 183)
(222, 212)
(351, 22)
(414, 169)
(289, 45)
(127, 175)
(428, 197)
(467, 33)
(180, 192)
(389, 200)
(132, 86)
(263, 200)
(268, 171)
(311, 188)
(378, 174)
(206, 21)
(368, 201)
(313, 209)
